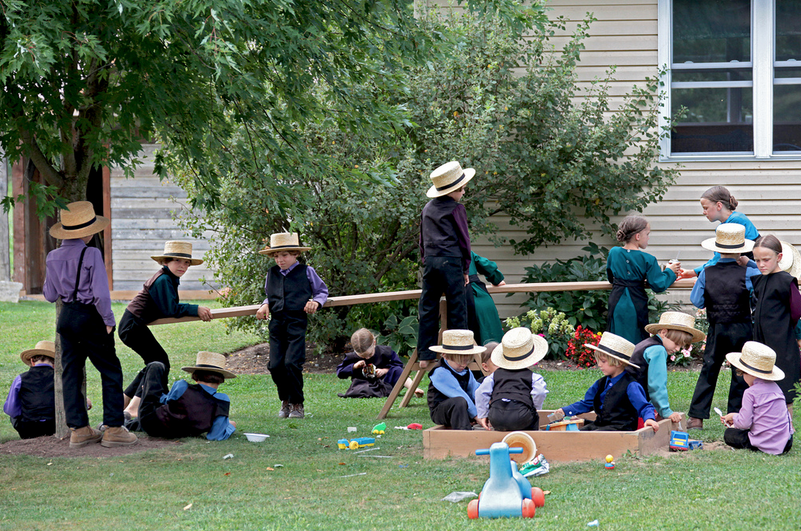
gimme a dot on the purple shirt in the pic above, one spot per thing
(12, 407)
(764, 414)
(319, 289)
(62, 264)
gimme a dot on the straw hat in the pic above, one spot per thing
(676, 321)
(448, 178)
(757, 360)
(180, 250)
(43, 348)
(519, 349)
(615, 346)
(210, 361)
(77, 221)
(283, 241)
(791, 260)
(458, 342)
(729, 238)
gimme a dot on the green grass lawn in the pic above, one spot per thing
(708, 489)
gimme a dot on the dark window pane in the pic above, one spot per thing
(717, 119)
(787, 118)
(788, 30)
(712, 75)
(787, 72)
(711, 31)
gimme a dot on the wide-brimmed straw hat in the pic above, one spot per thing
(179, 250)
(77, 221)
(283, 241)
(458, 342)
(757, 360)
(448, 178)
(211, 362)
(791, 260)
(676, 321)
(618, 347)
(729, 238)
(42, 348)
(519, 349)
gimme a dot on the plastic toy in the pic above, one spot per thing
(610, 463)
(353, 444)
(506, 493)
(679, 441)
(696, 445)
(378, 429)
(568, 424)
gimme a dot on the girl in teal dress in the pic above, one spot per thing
(627, 269)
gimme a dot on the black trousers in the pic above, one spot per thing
(28, 429)
(79, 341)
(152, 385)
(452, 413)
(722, 338)
(288, 353)
(739, 439)
(137, 336)
(513, 416)
(441, 274)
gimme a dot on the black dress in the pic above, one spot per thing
(774, 326)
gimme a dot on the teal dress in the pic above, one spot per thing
(482, 315)
(628, 303)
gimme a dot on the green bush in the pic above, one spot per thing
(550, 324)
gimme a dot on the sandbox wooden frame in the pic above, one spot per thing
(556, 446)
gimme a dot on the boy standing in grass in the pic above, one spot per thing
(293, 291)
(31, 401)
(452, 391)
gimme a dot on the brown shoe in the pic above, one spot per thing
(296, 411)
(83, 436)
(286, 408)
(695, 424)
(117, 436)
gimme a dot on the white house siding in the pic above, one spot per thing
(769, 192)
(143, 211)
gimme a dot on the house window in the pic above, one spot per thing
(735, 71)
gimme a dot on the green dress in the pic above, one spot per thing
(628, 270)
(482, 314)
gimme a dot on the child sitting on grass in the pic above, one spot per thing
(763, 423)
(373, 369)
(617, 399)
(452, 391)
(31, 401)
(508, 399)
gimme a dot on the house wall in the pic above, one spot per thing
(143, 212)
(769, 192)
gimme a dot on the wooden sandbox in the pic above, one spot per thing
(556, 446)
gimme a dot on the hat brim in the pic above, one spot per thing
(26, 355)
(269, 252)
(792, 263)
(60, 233)
(469, 173)
(734, 358)
(537, 353)
(711, 244)
(620, 358)
(442, 349)
(226, 374)
(653, 328)
(192, 261)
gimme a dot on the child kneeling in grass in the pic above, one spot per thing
(617, 399)
(452, 392)
(763, 423)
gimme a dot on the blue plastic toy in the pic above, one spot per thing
(679, 440)
(506, 493)
(353, 444)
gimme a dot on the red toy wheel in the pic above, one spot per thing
(528, 508)
(537, 496)
(472, 509)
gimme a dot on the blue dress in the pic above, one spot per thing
(628, 270)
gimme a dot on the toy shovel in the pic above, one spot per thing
(719, 412)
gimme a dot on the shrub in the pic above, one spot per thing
(550, 324)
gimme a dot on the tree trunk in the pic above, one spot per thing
(5, 259)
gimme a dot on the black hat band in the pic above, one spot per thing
(458, 347)
(612, 352)
(179, 255)
(283, 247)
(760, 371)
(81, 226)
(735, 246)
(518, 358)
(457, 181)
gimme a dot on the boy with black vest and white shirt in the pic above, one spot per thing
(31, 401)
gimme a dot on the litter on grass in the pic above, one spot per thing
(228, 456)
(458, 496)
(353, 475)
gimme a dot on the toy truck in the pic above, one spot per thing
(679, 441)
(354, 444)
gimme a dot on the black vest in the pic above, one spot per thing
(726, 298)
(435, 398)
(290, 292)
(192, 414)
(438, 228)
(36, 396)
(143, 306)
(617, 412)
(638, 358)
(512, 385)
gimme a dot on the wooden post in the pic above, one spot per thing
(5, 259)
